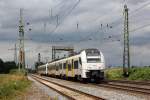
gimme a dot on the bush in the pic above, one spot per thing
(140, 74)
(114, 74)
(5, 67)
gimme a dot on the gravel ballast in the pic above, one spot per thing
(106, 93)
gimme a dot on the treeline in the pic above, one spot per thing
(5, 67)
(38, 64)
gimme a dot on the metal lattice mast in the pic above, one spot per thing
(21, 42)
(39, 58)
(15, 54)
(126, 53)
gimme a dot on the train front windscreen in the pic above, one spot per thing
(92, 52)
(93, 56)
(93, 60)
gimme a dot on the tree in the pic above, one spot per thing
(9, 65)
(5, 67)
(38, 64)
(1, 65)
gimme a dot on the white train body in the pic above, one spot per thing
(88, 64)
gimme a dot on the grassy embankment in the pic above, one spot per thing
(141, 74)
(13, 85)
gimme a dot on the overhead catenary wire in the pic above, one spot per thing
(118, 21)
(65, 16)
(115, 22)
(112, 23)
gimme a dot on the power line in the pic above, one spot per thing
(65, 16)
(138, 9)
(15, 53)
(115, 22)
(141, 27)
(118, 21)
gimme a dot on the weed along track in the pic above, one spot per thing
(68, 92)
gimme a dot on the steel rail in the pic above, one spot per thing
(131, 82)
(39, 79)
(132, 89)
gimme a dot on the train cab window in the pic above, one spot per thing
(80, 60)
(92, 52)
(75, 64)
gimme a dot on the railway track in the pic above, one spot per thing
(147, 83)
(68, 92)
(135, 87)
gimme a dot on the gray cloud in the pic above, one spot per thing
(136, 1)
(89, 15)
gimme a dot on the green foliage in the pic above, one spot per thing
(5, 67)
(114, 74)
(11, 85)
(1, 65)
(17, 72)
(9, 65)
(38, 64)
(140, 73)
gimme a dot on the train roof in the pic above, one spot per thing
(69, 57)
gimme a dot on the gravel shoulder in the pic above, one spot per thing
(38, 91)
(34, 93)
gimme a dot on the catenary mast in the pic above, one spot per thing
(21, 42)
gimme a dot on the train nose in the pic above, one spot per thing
(94, 74)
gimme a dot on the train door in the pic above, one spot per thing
(46, 69)
(66, 68)
(72, 67)
(79, 68)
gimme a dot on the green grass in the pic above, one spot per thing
(141, 74)
(114, 74)
(12, 85)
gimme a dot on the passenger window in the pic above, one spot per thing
(64, 65)
(60, 66)
(57, 67)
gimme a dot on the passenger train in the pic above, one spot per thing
(89, 64)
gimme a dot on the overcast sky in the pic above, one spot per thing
(89, 15)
